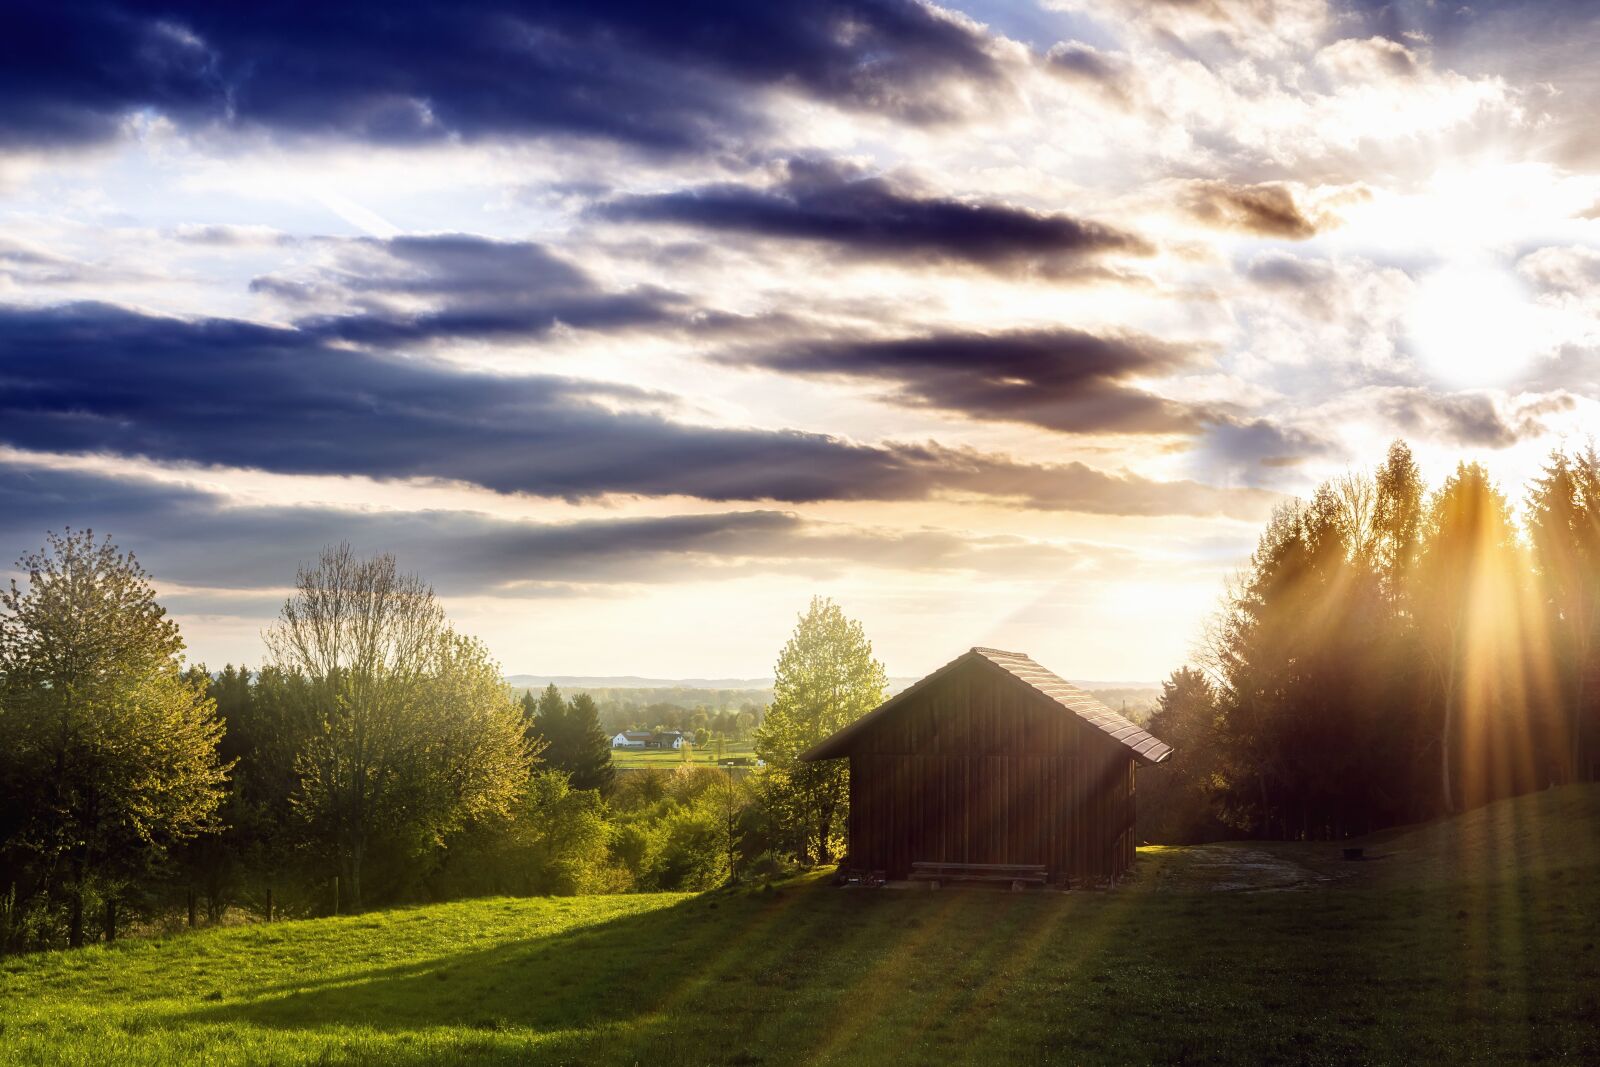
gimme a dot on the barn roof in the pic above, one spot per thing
(1145, 747)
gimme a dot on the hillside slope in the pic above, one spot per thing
(1475, 941)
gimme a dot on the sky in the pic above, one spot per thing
(630, 327)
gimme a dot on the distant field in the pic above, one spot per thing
(1470, 941)
(634, 758)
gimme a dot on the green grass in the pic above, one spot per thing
(667, 758)
(1472, 941)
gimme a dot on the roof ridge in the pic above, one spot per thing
(1073, 699)
(1114, 725)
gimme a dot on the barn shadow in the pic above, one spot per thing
(801, 968)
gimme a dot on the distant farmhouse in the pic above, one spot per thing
(992, 768)
(650, 739)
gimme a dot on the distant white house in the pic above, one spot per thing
(650, 739)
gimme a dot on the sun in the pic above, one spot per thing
(1472, 325)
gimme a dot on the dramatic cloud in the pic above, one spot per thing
(1268, 209)
(190, 537)
(1085, 65)
(1473, 419)
(1257, 451)
(901, 285)
(657, 76)
(869, 217)
(1064, 380)
(93, 378)
(453, 285)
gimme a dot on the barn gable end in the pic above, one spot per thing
(993, 760)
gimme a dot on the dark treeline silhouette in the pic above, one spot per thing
(1391, 655)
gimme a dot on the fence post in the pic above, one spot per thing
(336, 894)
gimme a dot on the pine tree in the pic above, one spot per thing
(587, 755)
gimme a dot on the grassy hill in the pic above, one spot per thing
(1470, 940)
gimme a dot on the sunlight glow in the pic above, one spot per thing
(1473, 325)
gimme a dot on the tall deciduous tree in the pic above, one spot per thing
(414, 732)
(111, 750)
(826, 679)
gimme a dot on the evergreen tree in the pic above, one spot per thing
(586, 754)
(1469, 612)
(547, 718)
(1564, 531)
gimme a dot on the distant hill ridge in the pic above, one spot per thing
(633, 681)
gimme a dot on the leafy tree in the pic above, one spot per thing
(110, 750)
(413, 731)
(826, 679)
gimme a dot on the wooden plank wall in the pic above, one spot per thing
(980, 769)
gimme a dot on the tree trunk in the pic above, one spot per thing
(75, 916)
(823, 830)
(1576, 764)
(110, 918)
(75, 908)
(355, 878)
(1446, 736)
(192, 910)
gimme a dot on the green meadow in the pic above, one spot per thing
(1471, 940)
(667, 758)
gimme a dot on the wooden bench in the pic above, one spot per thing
(1017, 874)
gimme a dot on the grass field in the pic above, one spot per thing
(666, 758)
(1474, 940)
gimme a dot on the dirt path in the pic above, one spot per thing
(1227, 869)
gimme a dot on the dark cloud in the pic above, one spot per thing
(658, 76)
(1063, 379)
(872, 218)
(469, 287)
(1473, 419)
(1257, 451)
(1266, 208)
(1083, 64)
(194, 538)
(94, 378)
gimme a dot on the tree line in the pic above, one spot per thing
(378, 756)
(1389, 655)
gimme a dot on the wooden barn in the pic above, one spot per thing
(992, 765)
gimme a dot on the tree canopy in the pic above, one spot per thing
(109, 752)
(826, 678)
